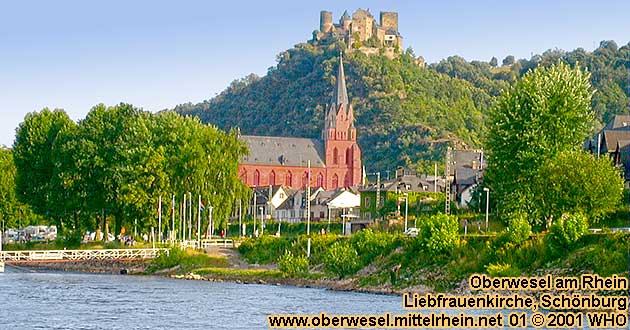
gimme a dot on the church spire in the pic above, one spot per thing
(340, 96)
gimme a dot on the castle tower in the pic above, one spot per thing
(343, 156)
(389, 20)
(325, 21)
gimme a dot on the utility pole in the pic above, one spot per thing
(308, 211)
(173, 220)
(160, 218)
(240, 213)
(199, 222)
(447, 183)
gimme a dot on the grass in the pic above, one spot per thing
(243, 274)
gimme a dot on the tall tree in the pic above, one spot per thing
(32, 152)
(546, 113)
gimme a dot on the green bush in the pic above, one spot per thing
(166, 259)
(370, 244)
(519, 230)
(439, 233)
(264, 249)
(341, 259)
(292, 265)
(502, 270)
(568, 230)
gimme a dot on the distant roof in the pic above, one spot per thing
(288, 151)
(612, 137)
(619, 122)
(466, 176)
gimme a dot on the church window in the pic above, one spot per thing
(335, 182)
(272, 178)
(348, 157)
(320, 180)
(289, 180)
(335, 156)
(304, 179)
(256, 178)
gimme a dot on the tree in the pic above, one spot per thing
(575, 181)
(494, 62)
(508, 60)
(32, 152)
(546, 114)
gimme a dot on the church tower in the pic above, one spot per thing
(343, 156)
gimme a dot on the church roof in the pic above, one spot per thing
(340, 95)
(287, 151)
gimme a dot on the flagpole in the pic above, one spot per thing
(199, 223)
(190, 204)
(172, 236)
(184, 220)
(160, 218)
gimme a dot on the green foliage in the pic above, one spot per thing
(502, 270)
(292, 265)
(546, 113)
(439, 234)
(264, 249)
(114, 165)
(576, 181)
(167, 259)
(519, 230)
(187, 260)
(567, 230)
(342, 259)
(370, 244)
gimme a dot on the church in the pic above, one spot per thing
(335, 159)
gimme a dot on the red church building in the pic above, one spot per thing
(335, 158)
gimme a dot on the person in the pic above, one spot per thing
(222, 233)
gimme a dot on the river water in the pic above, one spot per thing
(48, 300)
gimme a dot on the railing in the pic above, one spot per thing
(208, 243)
(77, 255)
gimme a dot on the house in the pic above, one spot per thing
(614, 141)
(266, 199)
(419, 189)
(324, 204)
(467, 172)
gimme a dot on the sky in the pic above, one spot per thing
(157, 54)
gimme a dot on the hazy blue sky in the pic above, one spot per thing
(157, 54)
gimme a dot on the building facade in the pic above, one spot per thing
(335, 159)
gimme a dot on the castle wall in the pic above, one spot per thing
(325, 21)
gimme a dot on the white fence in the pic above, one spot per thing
(208, 243)
(76, 255)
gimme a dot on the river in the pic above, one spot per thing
(55, 300)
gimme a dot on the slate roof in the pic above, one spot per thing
(619, 122)
(287, 151)
(466, 176)
(612, 138)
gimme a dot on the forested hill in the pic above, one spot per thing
(406, 114)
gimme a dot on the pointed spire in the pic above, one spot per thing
(341, 94)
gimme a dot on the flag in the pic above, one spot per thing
(201, 206)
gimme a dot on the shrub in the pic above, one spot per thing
(292, 265)
(370, 244)
(341, 259)
(165, 259)
(568, 230)
(439, 233)
(502, 270)
(519, 230)
(264, 249)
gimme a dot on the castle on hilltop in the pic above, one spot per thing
(361, 31)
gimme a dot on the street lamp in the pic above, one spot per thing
(487, 205)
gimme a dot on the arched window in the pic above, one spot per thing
(289, 179)
(346, 180)
(348, 156)
(272, 178)
(304, 179)
(335, 156)
(256, 178)
(320, 180)
(335, 182)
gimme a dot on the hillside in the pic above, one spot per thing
(406, 114)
